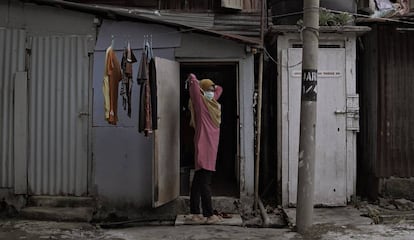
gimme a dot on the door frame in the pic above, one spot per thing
(233, 69)
(326, 193)
(287, 40)
(243, 166)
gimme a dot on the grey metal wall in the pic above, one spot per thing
(387, 122)
(59, 108)
(58, 81)
(12, 54)
(122, 156)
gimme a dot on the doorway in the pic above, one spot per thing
(225, 179)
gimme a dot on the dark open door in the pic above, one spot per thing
(166, 163)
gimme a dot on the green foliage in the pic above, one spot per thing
(327, 18)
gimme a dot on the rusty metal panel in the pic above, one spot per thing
(199, 20)
(192, 5)
(12, 55)
(252, 5)
(246, 24)
(244, 5)
(133, 3)
(396, 114)
(58, 115)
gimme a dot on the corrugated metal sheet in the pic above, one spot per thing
(241, 24)
(201, 21)
(12, 55)
(368, 89)
(248, 5)
(198, 20)
(58, 126)
(396, 112)
(252, 5)
(133, 3)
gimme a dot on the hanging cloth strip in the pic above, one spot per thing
(112, 77)
(154, 96)
(128, 58)
(144, 124)
(147, 120)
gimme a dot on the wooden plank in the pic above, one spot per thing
(20, 133)
(166, 166)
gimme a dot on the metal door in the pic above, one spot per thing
(59, 86)
(166, 162)
(330, 155)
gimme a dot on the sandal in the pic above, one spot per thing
(213, 219)
(198, 219)
(222, 214)
(225, 215)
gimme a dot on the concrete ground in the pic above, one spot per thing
(329, 223)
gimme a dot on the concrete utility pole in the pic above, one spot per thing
(306, 166)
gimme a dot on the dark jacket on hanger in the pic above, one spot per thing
(128, 58)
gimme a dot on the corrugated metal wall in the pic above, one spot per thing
(386, 83)
(58, 125)
(368, 89)
(396, 98)
(12, 55)
(248, 5)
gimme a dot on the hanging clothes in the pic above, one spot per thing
(128, 58)
(112, 77)
(154, 96)
(147, 120)
(144, 124)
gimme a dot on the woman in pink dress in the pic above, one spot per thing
(206, 119)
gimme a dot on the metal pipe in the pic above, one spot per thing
(259, 129)
(259, 113)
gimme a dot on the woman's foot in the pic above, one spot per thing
(198, 218)
(213, 219)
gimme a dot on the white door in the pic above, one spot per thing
(166, 162)
(330, 155)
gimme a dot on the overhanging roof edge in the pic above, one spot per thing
(138, 15)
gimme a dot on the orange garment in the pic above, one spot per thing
(112, 77)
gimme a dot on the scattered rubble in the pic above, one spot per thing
(388, 210)
(7, 210)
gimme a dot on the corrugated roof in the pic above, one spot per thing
(242, 27)
(241, 24)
